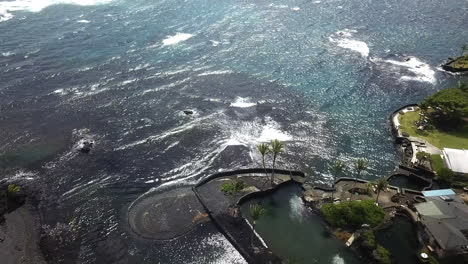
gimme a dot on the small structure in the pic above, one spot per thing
(445, 220)
(456, 160)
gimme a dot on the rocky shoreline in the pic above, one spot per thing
(20, 232)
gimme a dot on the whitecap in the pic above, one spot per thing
(215, 73)
(355, 45)
(252, 133)
(271, 132)
(295, 8)
(177, 38)
(6, 8)
(7, 54)
(215, 43)
(278, 6)
(242, 102)
(60, 92)
(23, 175)
(128, 82)
(343, 40)
(84, 21)
(421, 70)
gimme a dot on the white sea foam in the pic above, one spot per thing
(177, 38)
(84, 21)
(22, 175)
(6, 8)
(297, 208)
(167, 86)
(343, 40)
(251, 133)
(278, 6)
(338, 260)
(170, 132)
(225, 253)
(421, 70)
(60, 92)
(7, 54)
(128, 82)
(242, 102)
(271, 132)
(215, 43)
(295, 8)
(317, 2)
(215, 73)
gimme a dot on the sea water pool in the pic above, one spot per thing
(294, 232)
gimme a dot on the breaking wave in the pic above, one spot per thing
(7, 8)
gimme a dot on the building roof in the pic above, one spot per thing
(447, 221)
(456, 159)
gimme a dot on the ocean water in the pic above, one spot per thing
(322, 76)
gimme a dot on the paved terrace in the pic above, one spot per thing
(343, 187)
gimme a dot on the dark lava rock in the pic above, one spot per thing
(405, 134)
(85, 145)
(188, 112)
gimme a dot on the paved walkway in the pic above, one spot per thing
(342, 193)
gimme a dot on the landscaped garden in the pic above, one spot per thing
(442, 119)
(457, 138)
(353, 213)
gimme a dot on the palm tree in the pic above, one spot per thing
(360, 166)
(256, 211)
(463, 86)
(336, 169)
(276, 149)
(264, 149)
(380, 186)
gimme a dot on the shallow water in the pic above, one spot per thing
(294, 232)
(327, 74)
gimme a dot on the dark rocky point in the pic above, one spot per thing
(85, 145)
(188, 112)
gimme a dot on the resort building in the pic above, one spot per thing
(456, 160)
(444, 217)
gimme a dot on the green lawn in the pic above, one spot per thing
(437, 162)
(453, 139)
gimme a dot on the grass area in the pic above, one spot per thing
(461, 62)
(454, 139)
(437, 162)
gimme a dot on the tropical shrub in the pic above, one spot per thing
(382, 255)
(448, 107)
(445, 175)
(353, 213)
(368, 239)
(233, 187)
